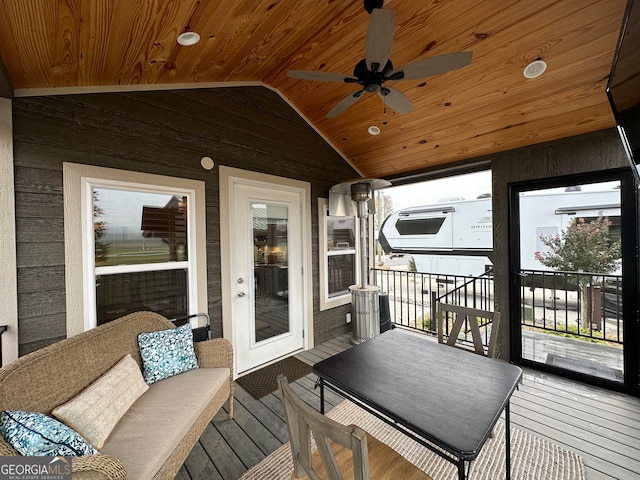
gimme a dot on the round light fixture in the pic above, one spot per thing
(207, 163)
(535, 69)
(188, 38)
(373, 130)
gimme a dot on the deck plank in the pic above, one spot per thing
(259, 416)
(199, 465)
(266, 432)
(222, 456)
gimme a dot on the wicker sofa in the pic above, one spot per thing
(155, 436)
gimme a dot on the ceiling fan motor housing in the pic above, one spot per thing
(369, 5)
(371, 81)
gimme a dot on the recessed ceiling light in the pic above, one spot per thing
(373, 130)
(535, 69)
(188, 38)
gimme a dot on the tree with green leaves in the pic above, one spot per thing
(99, 231)
(584, 247)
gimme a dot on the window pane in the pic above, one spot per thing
(163, 292)
(341, 274)
(341, 233)
(420, 226)
(136, 227)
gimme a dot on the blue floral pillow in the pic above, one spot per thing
(166, 353)
(36, 434)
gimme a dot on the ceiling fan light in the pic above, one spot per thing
(188, 38)
(535, 69)
(373, 130)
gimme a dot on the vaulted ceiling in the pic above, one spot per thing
(488, 106)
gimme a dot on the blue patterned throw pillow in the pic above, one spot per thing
(166, 353)
(36, 434)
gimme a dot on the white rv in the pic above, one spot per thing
(456, 237)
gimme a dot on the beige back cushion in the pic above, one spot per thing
(95, 411)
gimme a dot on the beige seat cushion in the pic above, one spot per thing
(97, 409)
(154, 425)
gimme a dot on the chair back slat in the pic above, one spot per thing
(473, 318)
(303, 420)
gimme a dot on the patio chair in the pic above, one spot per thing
(475, 318)
(342, 451)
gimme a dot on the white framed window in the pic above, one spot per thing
(133, 241)
(339, 262)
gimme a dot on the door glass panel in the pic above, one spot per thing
(269, 223)
(571, 279)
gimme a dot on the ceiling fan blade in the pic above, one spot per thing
(379, 38)
(345, 103)
(431, 66)
(397, 100)
(321, 76)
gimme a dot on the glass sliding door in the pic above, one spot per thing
(568, 276)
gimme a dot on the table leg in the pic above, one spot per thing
(321, 382)
(461, 473)
(507, 430)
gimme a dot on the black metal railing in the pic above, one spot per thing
(474, 292)
(587, 306)
(413, 296)
(580, 305)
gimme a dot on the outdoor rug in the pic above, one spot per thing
(262, 382)
(532, 458)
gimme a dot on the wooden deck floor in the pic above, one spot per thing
(602, 426)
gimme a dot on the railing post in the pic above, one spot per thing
(434, 300)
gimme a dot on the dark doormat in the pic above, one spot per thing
(587, 367)
(262, 382)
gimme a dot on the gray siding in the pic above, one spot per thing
(165, 133)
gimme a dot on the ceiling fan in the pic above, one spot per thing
(376, 68)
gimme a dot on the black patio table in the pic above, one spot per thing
(438, 395)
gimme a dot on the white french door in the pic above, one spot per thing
(266, 292)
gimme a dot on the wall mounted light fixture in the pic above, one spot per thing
(207, 163)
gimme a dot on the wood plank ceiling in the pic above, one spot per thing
(485, 107)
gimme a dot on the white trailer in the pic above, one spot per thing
(456, 237)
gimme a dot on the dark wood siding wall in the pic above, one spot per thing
(585, 153)
(6, 89)
(165, 133)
